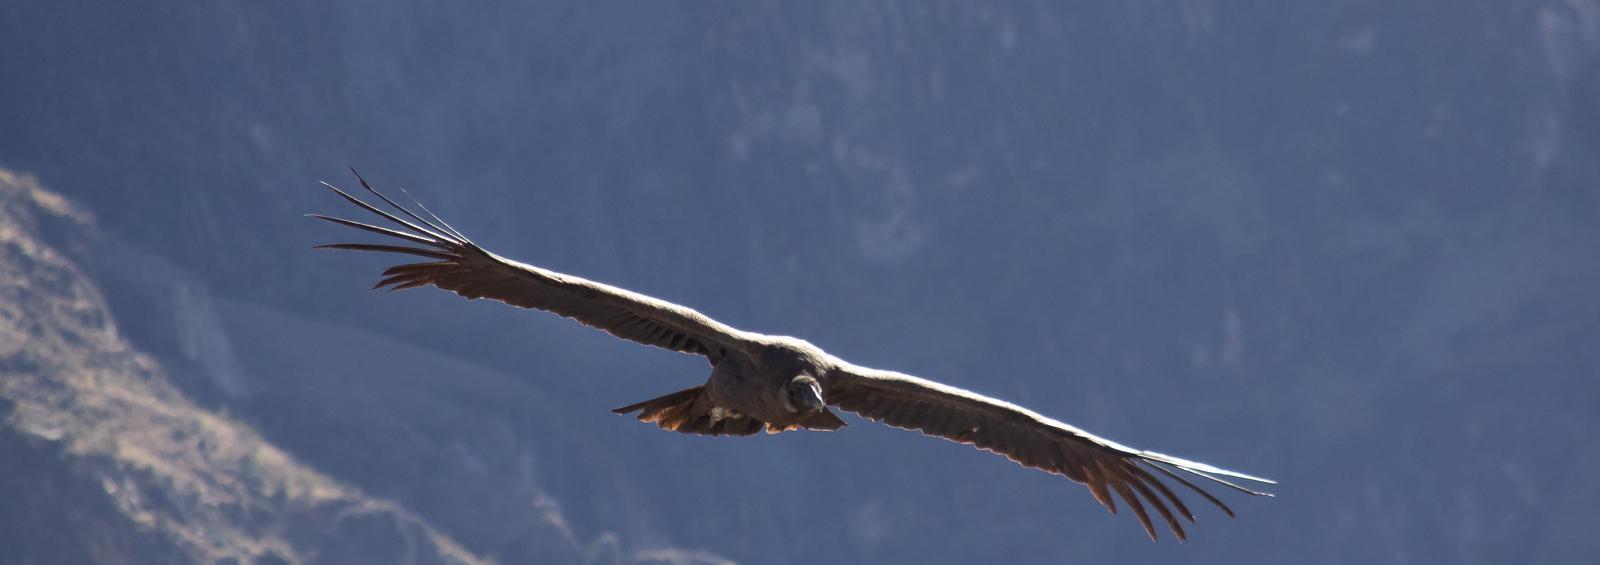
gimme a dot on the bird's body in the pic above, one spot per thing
(777, 383)
(777, 388)
(757, 387)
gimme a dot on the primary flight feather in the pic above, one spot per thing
(776, 383)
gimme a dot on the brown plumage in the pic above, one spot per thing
(774, 383)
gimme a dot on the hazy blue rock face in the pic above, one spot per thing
(107, 462)
(1349, 245)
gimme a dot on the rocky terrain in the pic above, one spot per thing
(106, 460)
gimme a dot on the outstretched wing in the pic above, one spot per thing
(460, 266)
(1031, 440)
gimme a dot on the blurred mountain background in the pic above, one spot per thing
(1349, 245)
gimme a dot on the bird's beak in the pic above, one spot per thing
(813, 401)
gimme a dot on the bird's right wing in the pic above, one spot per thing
(1032, 440)
(460, 266)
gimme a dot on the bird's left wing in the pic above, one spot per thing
(1032, 440)
(460, 266)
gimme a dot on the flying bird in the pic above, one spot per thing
(777, 383)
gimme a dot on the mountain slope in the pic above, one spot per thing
(98, 441)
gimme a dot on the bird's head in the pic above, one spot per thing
(803, 395)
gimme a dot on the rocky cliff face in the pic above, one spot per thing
(107, 460)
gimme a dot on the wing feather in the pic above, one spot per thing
(1133, 502)
(1134, 479)
(1033, 441)
(462, 267)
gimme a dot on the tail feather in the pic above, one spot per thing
(692, 411)
(656, 404)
